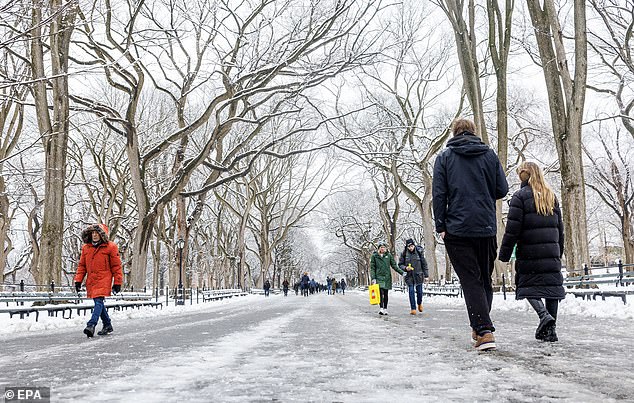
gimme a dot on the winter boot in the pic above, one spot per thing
(544, 323)
(545, 319)
(89, 330)
(105, 330)
(551, 333)
(381, 311)
(485, 342)
(385, 311)
(420, 307)
(412, 312)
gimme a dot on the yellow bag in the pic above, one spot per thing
(375, 294)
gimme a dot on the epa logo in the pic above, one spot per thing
(27, 394)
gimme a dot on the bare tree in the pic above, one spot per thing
(53, 20)
(11, 124)
(466, 44)
(566, 99)
(611, 179)
(255, 69)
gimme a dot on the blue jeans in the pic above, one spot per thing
(419, 295)
(99, 311)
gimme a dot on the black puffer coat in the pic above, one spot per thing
(468, 178)
(540, 244)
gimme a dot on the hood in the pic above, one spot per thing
(468, 145)
(102, 229)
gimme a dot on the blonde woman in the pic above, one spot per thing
(535, 226)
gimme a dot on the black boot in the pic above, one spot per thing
(545, 319)
(544, 323)
(551, 333)
(105, 330)
(89, 330)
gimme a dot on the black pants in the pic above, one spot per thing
(383, 303)
(552, 305)
(472, 260)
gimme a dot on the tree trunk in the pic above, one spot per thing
(566, 101)
(628, 237)
(466, 49)
(54, 131)
(140, 246)
(5, 224)
(499, 46)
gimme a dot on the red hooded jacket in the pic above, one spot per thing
(102, 263)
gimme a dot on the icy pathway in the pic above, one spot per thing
(327, 348)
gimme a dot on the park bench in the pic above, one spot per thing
(260, 291)
(65, 303)
(593, 294)
(587, 285)
(448, 291)
(211, 295)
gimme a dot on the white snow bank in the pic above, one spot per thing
(28, 324)
(610, 308)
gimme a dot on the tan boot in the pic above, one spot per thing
(412, 312)
(420, 307)
(486, 342)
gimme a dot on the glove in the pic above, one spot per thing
(373, 281)
(116, 288)
(77, 286)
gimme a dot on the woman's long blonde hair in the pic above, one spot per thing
(542, 193)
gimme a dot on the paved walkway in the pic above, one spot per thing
(326, 348)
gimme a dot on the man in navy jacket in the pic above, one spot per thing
(468, 179)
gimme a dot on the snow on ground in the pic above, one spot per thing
(610, 308)
(29, 324)
(328, 348)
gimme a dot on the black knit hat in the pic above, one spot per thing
(410, 242)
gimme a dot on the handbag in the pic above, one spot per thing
(375, 294)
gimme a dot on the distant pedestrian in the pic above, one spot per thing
(468, 179)
(296, 288)
(535, 227)
(285, 287)
(380, 264)
(101, 265)
(305, 284)
(413, 262)
(343, 286)
(267, 288)
(329, 284)
(334, 286)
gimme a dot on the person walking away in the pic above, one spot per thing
(329, 284)
(412, 262)
(343, 286)
(468, 179)
(101, 265)
(305, 284)
(267, 288)
(535, 227)
(334, 286)
(380, 264)
(285, 287)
